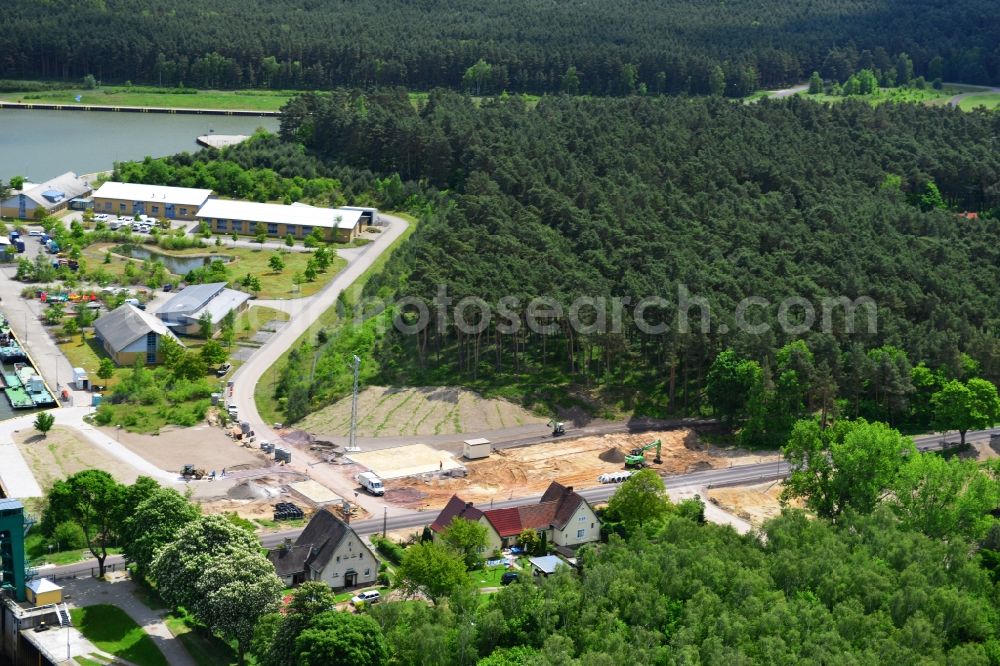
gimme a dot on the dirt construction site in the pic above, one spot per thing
(577, 462)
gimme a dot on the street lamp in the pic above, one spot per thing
(118, 430)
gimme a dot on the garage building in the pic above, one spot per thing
(171, 203)
(225, 216)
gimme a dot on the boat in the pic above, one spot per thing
(25, 389)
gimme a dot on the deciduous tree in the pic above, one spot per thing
(640, 500)
(432, 568)
(92, 499)
(468, 538)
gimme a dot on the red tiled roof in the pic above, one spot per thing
(556, 507)
(969, 216)
(455, 508)
(537, 516)
(507, 522)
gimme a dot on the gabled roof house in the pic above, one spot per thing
(328, 550)
(128, 333)
(563, 514)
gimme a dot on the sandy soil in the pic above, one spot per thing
(572, 462)
(65, 452)
(756, 504)
(386, 412)
(202, 446)
(404, 461)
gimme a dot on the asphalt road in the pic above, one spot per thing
(736, 475)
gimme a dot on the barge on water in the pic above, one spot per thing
(24, 388)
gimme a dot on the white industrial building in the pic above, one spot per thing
(226, 216)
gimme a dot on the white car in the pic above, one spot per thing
(101, 217)
(369, 597)
(127, 219)
(35, 232)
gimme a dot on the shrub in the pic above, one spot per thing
(392, 551)
(69, 536)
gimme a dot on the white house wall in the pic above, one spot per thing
(583, 519)
(350, 554)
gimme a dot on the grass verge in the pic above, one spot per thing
(263, 392)
(987, 100)
(110, 629)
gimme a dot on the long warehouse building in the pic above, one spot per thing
(172, 203)
(336, 224)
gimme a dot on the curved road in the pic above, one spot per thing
(304, 312)
(957, 99)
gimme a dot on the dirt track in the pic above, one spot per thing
(572, 462)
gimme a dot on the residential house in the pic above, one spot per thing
(49, 197)
(566, 518)
(159, 201)
(328, 550)
(184, 311)
(225, 216)
(128, 333)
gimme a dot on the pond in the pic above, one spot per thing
(178, 265)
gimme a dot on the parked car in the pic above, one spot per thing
(136, 303)
(509, 577)
(36, 232)
(223, 369)
(168, 287)
(369, 597)
(126, 218)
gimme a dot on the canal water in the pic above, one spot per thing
(42, 144)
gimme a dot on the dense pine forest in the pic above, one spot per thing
(641, 197)
(618, 48)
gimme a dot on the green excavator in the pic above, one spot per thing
(636, 458)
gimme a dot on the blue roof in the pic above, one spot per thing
(10, 504)
(54, 195)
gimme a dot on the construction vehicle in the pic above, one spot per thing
(637, 457)
(558, 428)
(189, 472)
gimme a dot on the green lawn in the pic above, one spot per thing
(279, 285)
(253, 318)
(263, 393)
(488, 577)
(986, 99)
(204, 648)
(83, 351)
(110, 629)
(249, 100)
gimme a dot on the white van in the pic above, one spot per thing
(370, 482)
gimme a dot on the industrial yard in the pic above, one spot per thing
(522, 471)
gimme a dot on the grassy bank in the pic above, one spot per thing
(263, 392)
(169, 98)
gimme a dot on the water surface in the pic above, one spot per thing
(42, 144)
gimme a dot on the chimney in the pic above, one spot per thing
(288, 541)
(468, 505)
(569, 489)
